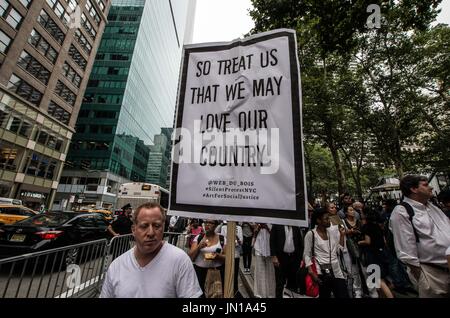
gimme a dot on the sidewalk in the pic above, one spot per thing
(246, 289)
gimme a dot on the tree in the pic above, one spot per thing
(395, 64)
(374, 76)
(319, 167)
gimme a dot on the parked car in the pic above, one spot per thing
(51, 230)
(11, 213)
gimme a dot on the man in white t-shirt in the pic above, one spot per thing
(153, 268)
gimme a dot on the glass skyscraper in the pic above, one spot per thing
(130, 95)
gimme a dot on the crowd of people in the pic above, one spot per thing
(406, 244)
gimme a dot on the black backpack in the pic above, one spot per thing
(390, 235)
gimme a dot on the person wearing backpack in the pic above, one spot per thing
(396, 269)
(321, 248)
(421, 233)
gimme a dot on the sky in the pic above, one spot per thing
(226, 20)
(221, 20)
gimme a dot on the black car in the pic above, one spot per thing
(51, 230)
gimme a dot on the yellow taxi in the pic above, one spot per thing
(106, 213)
(11, 213)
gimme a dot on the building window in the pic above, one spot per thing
(8, 157)
(51, 170)
(80, 129)
(88, 26)
(101, 5)
(11, 15)
(120, 57)
(60, 11)
(24, 90)
(40, 166)
(47, 139)
(105, 114)
(92, 12)
(84, 113)
(65, 93)
(77, 57)
(42, 137)
(5, 41)
(25, 3)
(71, 74)
(72, 4)
(51, 27)
(84, 43)
(25, 129)
(58, 113)
(32, 66)
(42, 46)
(113, 71)
(13, 124)
(93, 83)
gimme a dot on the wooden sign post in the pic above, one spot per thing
(229, 260)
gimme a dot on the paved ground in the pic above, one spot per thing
(247, 281)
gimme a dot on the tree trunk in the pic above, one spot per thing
(399, 168)
(342, 185)
(398, 162)
(310, 194)
(359, 191)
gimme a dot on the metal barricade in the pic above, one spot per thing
(70, 271)
(181, 240)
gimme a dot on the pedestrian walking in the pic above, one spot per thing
(264, 277)
(247, 233)
(153, 268)
(207, 253)
(324, 242)
(286, 248)
(422, 235)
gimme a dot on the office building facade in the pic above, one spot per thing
(131, 94)
(47, 49)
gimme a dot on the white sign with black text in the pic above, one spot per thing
(238, 152)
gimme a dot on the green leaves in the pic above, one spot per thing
(377, 99)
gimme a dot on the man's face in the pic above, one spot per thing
(148, 230)
(128, 211)
(423, 190)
